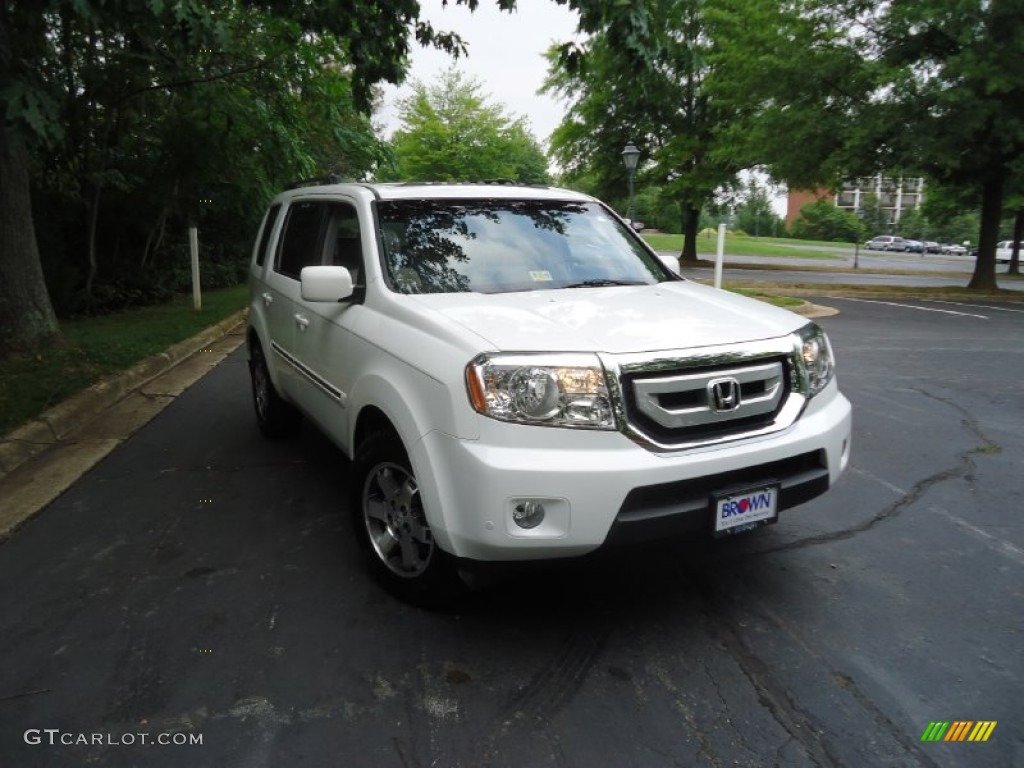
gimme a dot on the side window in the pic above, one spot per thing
(342, 241)
(268, 227)
(301, 240)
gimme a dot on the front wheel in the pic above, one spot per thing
(392, 527)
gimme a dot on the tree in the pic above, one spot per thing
(848, 87)
(643, 76)
(83, 74)
(823, 220)
(873, 215)
(134, 162)
(755, 214)
(451, 133)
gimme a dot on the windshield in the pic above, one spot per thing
(496, 246)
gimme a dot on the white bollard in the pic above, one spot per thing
(720, 255)
(193, 242)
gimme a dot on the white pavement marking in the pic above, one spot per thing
(1003, 547)
(977, 306)
(914, 306)
(881, 481)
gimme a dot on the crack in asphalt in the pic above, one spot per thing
(891, 511)
(770, 693)
(800, 725)
(964, 468)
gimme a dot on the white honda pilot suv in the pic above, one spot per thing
(516, 375)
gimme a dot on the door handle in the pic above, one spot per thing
(302, 321)
(267, 299)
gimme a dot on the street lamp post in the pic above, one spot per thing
(630, 156)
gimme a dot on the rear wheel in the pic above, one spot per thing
(275, 417)
(393, 530)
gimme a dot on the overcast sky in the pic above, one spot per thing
(505, 57)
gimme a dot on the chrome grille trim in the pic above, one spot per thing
(787, 398)
(650, 401)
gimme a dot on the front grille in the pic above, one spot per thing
(692, 405)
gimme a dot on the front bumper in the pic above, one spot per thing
(601, 487)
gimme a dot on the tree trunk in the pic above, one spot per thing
(691, 221)
(984, 277)
(26, 314)
(1018, 235)
(94, 216)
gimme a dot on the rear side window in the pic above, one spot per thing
(301, 240)
(268, 227)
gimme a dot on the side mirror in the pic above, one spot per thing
(328, 284)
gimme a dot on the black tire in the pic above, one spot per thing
(392, 528)
(275, 417)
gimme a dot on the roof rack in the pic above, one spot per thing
(496, 182)
(330, 178)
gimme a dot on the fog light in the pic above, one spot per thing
(528, 514)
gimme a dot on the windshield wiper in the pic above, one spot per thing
(602, 281)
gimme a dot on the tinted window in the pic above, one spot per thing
(268, 227)
(493, 246)
(300, 244)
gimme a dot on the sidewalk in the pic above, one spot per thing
(42, 458)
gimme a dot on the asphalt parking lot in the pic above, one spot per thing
(202, 582)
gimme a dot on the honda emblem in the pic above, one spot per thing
(724, 394)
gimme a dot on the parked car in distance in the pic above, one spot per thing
(930, 246)
(515, 375)
(885, 243)
(954, 250)
(913, 246)
(1004, 251)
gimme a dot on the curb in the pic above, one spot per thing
(813, 311)
(54, 425)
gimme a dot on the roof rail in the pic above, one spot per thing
(496, 182)
(330, 178)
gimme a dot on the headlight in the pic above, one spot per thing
(818, 360)
(555, 390)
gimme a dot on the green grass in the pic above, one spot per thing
(761, 295)
(95, 347)
(745, 246)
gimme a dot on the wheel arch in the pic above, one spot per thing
(382, 407)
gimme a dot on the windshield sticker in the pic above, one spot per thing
(541, 276)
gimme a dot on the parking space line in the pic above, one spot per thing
(1004, 547)
(914, 306)
(979, 306)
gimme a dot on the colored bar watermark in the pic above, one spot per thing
(959, 730)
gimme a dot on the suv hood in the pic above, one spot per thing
(617, 319)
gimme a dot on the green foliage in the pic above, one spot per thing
(823, 220)
(201, 122)
(95, 347)
(873, 216)
(755, 213)
(451, 133)
(137, 117)
(644, 76)
(849, 88)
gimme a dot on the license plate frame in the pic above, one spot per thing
(730, 516)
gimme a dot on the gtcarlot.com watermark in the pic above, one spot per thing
(55, 737)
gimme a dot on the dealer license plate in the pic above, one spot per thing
(744, 510)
